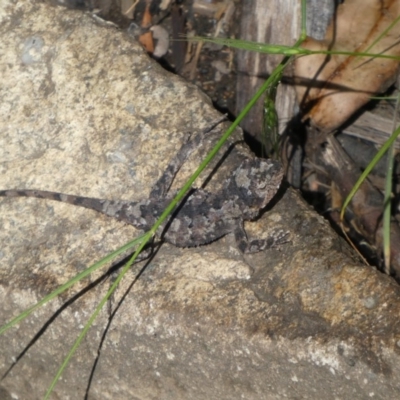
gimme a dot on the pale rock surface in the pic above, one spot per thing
(84, 110)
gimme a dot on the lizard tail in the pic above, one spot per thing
(107, 207)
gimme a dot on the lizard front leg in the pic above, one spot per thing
(163, 184)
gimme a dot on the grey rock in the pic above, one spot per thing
(84, 111)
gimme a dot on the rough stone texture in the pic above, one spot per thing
(83, 110)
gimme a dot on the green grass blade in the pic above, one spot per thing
(144, 239)
(270, 132)
(303, 32)
(369, 168)
(387, 210)
(283, 49)
(64, 287)
(254, 46)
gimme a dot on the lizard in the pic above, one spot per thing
(202, 217)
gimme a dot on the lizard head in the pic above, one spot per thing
(255, 182)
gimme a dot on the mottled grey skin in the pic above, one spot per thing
(202, 217)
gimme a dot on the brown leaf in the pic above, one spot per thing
(339, 85)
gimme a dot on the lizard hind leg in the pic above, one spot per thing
(247, 246)
(162, 186)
